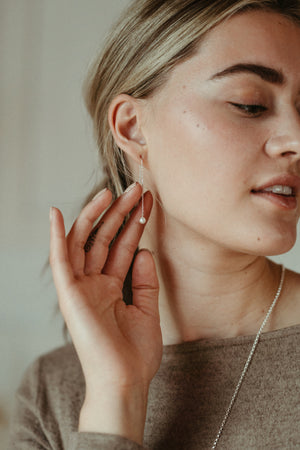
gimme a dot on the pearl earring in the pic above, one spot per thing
(141, 181)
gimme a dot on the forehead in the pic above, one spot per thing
(257, 37)
(251, 26)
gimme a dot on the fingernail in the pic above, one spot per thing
(130, 187)
(99, 194)
(51, 213)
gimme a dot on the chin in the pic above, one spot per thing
(268, 240)
(273, 245)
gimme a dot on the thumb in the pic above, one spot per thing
(145, 286)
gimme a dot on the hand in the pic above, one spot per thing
(119, 345)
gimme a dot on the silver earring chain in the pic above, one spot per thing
(141, 181)
(249, 359)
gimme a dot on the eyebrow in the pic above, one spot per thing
(265, 73)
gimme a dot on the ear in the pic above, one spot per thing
(124, 119)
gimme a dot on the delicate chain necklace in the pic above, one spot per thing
(236, 391)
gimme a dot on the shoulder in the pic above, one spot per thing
(54, 379)
(49, 400)
(60, 364)
(57, 365)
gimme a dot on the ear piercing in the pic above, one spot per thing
(141, 181)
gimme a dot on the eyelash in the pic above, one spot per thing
(250, 110)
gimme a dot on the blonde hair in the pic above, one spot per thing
(151, 37)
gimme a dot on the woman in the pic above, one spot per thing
(199, 101)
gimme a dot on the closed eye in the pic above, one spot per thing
(250, 110)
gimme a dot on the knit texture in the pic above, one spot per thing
(187, 400)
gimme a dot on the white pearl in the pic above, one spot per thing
(142, 220)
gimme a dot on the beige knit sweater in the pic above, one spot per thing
(187, 400)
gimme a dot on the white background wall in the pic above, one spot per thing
(47, 157)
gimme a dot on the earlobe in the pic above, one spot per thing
(124, 120)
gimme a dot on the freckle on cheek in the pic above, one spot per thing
(198, 125)
(258, 239)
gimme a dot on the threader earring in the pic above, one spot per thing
(141, 181)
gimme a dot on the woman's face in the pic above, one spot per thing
(223, 136)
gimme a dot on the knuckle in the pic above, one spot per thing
(103, 239)
(146, 288)
(79, 244)
(120, 214)
(128, 247)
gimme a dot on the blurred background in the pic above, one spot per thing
(47, 157)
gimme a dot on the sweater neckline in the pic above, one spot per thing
(202, 343)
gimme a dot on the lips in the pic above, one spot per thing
(281, 191)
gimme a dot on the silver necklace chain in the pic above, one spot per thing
(252, 351)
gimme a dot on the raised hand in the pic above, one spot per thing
(119, 345)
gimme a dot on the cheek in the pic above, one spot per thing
(197, 144)
(230, 134)
(206, 144)
(230, 147)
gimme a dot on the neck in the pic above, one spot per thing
(207, 291)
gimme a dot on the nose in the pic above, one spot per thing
(285, 144)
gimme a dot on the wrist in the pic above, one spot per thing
(119, 411)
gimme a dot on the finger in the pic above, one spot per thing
(145, 285)
(110, 224)
(59, 260)
(82, 227)
(122, 251)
